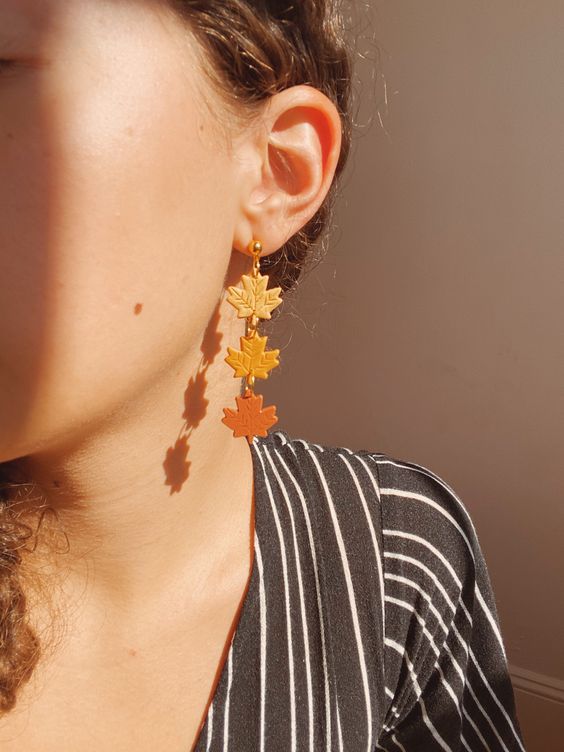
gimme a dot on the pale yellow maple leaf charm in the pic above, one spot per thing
(254, 298)
(252, 360)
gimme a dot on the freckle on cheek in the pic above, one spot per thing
(138, 308)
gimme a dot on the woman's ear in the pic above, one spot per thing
(286, 167)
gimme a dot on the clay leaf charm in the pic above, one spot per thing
(252, 360)
(250, 419)
(254, 298)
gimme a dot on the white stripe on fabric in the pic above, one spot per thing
(437, 615)
(490, 618)
(352, 600)
(377, 552)
(432, 503)
(339, 730)
(430, 474)
(496, 700)
(432, 575)
(398, 743)
(478, 733)
(457, 580)
(392, 707)
(438, 738)
(263, 664)
(394, 739)
(292, 689)
(424, 593)
(302, 600)
(429, 636)
(409, 607)
(438, 554)
(227, 698)
(318, 594)
(210, 727)
(399, 492)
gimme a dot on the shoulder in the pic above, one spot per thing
(401, 485)
(406, 594)
(406, 512)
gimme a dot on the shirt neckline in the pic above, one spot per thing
(257, 493)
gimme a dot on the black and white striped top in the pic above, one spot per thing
(369, 622)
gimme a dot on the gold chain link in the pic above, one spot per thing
(252, 322)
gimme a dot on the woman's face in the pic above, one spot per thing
(117, 209)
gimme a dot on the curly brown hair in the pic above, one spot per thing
(250, 50)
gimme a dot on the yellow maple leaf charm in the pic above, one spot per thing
(250, 419)
(252, 360)
(254, 298)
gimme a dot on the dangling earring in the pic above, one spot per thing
(253, 302)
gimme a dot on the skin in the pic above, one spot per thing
(124, 214)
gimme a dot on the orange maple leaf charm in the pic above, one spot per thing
(250, 419)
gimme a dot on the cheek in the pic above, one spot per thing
(119, 240)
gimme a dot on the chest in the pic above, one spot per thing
(147, 696)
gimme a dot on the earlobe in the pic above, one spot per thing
(300, 150)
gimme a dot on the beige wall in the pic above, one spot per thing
(433, 329)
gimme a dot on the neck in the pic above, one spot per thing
(157, 493)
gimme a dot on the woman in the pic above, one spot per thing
(166, 586)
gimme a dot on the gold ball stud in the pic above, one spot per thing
(255, 247)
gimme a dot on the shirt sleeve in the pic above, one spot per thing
(447, 679)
